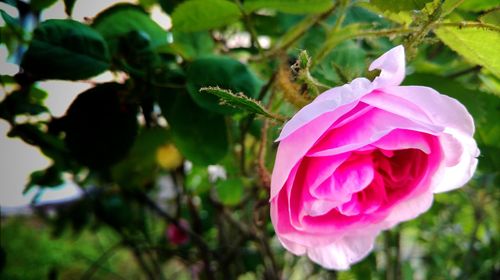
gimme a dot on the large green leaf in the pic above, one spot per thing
(190, 45)
(478, 5)
(223, 72)
(290, 6)
(121, 19)
(198, 15)
(398, 5)
(65, 49)
(200, 135)
(477, 45)
(100, 128)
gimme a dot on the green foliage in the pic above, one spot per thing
(478, 45)
(398, 6)
(289, 6)
(478, 5)
(191, 45)
(199, 15)
(121, 19)
(39, 5)
(65, 49)
(219, 71)
(200, 135)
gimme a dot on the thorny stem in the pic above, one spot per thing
(468, 24)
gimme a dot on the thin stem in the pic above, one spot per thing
(140, 260)
(341, 15)
(416, 38)
(247, 20)
(204, 253)
(473, 69)
(294, 34)
(468, 24)
(346, 34)
(153, 206)
(265, 176)
(96, 265)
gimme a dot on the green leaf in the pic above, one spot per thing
(39, 5)
(49, 177)
(491, 17)
(193, 44)
(219, 71)
(65, 49)
(199, 15)
(68, 6)
(200, 135)
(23, 101)
(239, 100)
(477, 45)
(100, 127)
(478, 5)
(398, 5)
(230, 191)
(121, 19)
(289, 6)
(197, 180)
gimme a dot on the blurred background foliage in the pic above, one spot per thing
(174, 181)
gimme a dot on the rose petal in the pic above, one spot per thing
(409, 209)
(458, 175)
(400, 139)
(365, 130)
(342, 253)
(392, 66)
(442, 110)
(294, 147)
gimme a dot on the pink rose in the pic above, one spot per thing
(363, 157)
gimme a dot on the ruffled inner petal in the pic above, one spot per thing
(362, 131)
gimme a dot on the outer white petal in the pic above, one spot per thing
(343, 252)
(409, 209)
(392, 66)
(457, 175)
